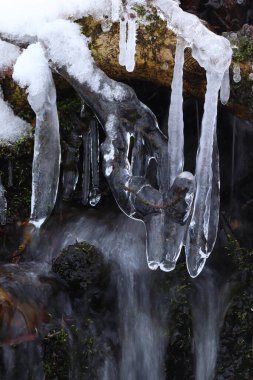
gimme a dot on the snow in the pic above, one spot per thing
(8, 55)
(31, 71)
(212, 52)
(12, 128)
(24, 19)
(67, 47)
(115, 10)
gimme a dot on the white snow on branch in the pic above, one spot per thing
(67, 48)
(212, 52)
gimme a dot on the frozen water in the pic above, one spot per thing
(225, 88)
(123, 39)
(176, 119)
(164, 211)
(131, 42)
(37, 77)
(199, 240)
(70, 171)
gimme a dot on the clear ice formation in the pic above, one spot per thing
(46, 159)
(70, 166)
(90, 174)
(201, 234)
(176, 207)
(47, 154)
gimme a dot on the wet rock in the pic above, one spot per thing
(81, 266)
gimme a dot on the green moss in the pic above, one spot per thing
(56, 354)
(245, 49)
(19, 155)
(140, 10)
(17, 97)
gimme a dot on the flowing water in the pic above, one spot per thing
(143, 315)
(209, 305)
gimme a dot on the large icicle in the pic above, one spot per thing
(214, 54)
(175, 232)
(31, 70)
(198, 243)
(176, 119)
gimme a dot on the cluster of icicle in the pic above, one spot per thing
(212, 52)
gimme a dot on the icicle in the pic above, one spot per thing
(115, 10)
(122, 39)
(3, 204)
(140, 158)
(225, 88)
(95, 195)
(46, 159)
(86, 168)
(131, 42)
(199, 241)
(127, 41)
(38, 80)
(176, 120)
(155, 239)
(70, 171)
(237, 72)
(10, 174)
(182, 194)
(175, 232)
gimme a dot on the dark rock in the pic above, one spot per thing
(81, 266)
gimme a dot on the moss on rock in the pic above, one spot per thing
(81, 266)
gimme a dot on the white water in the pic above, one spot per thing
(209, 306)
(142, 316)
